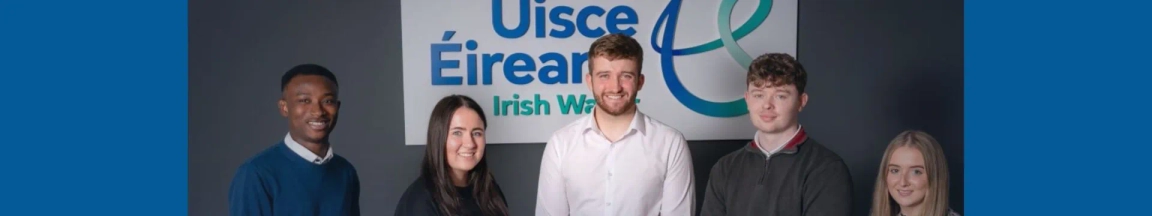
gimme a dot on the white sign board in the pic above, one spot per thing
(524, 60)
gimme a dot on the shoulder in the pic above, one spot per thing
(731, 160)
(417, 200)
(346, 169)
(416, 195)
(575, 128)
(416, 192)
(560, 140)
(952, 213)
(819, 154)
(820, 159)
(261, 162)
(664, 136)
(343, 163)
(658, 127)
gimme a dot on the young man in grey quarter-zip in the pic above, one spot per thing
(782, 171)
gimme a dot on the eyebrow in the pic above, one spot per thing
(462, 128)
(307, 94)
(911, 167)
(622, 72)
(778, 90)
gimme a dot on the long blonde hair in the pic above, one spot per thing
(936, 198)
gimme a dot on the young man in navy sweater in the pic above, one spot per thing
(300, 175)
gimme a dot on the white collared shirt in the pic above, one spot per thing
(648, 171)
(305, 153)
(767, 153)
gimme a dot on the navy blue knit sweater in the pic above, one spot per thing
(277, 181)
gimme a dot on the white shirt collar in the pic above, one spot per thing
(305, 153)
(779, 147)
(636, 124)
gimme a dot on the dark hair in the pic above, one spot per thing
(777, 69)
(616, 46)
(435, 170)
(307, 69)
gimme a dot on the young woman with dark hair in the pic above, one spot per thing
(454, 178)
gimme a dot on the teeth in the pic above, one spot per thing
(614, 97)
(466, 154)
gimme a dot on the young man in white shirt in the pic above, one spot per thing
(616, 161)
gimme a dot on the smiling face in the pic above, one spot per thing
(907, 178)
(465, 143)
(310, 103)
(615, 83)
(774, 109)
(775, 94)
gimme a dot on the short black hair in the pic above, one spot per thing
(307, 69)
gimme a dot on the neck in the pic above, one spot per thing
(459, 178)
(911, 210)
(771, 141)
(613, 126)
(318, 148)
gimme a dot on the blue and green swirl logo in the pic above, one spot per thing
(727, 40)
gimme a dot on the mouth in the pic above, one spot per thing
(904, 193)
(614, 96)
(767, 118)
(318, 124)
(467, 154)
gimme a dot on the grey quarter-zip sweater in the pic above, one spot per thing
(803, 178)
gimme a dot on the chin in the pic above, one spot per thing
(317, 137)
(768, 128)
(466, 168)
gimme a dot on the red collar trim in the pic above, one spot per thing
(791, 146)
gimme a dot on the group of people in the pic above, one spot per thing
(615, 161)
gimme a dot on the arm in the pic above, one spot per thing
(248, 195)
(355, 193)
(679, 183)
(551, 198)
(714, 193)
(828, 190)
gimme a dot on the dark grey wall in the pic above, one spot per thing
(876, 68)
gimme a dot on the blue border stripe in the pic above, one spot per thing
(96, 107)
(1056, 107)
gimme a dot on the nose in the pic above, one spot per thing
(769, 104)
(317, 109)
(469, 142)
(904, 179)
(614, 85)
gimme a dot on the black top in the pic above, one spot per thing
(418, 201)
(807, 179)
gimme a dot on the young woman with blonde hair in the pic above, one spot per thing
(913, 178)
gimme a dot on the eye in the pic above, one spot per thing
(918, 172)
(457, 133)
(758, 95)
(781, 96)
(628, 76)
(602, 76)
(893, 170)
(330, 101)
(478, 133)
